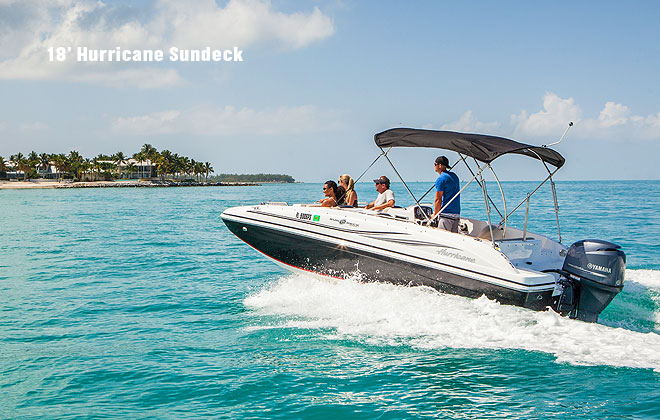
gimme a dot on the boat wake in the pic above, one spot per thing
(628, 334)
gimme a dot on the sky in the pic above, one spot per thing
(318, 79)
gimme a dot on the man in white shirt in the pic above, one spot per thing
(385, 197)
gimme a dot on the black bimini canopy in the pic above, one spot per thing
(479, 146)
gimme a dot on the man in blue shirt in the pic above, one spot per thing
(447, 186)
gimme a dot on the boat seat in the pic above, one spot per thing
(485, 233)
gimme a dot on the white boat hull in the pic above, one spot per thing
(393, 248)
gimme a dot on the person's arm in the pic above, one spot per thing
(438, 203)
(389, 203)
(370, 205)
(328, 202)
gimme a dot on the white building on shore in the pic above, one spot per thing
(134, 169)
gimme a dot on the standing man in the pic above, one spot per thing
(447, 186)
(385, 197)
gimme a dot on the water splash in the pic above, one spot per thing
(384, 314)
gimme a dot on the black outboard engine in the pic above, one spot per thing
(591, 276)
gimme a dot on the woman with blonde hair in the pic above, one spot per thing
(350, 196)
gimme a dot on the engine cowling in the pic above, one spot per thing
(593, 275)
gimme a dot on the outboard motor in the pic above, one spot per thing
(592, 275)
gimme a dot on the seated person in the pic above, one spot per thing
(350, 196)
(330, 191)
(341, 195)
(385, 197)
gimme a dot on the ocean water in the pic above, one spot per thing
(139, 303)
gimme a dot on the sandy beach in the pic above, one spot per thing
(8, 185)
(112, 184)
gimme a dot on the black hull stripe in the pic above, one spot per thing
(388, 250)
(288, 265)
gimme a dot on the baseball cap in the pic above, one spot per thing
(442, 160)
(383, 180)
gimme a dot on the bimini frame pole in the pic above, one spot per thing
(490, 226)
(554, 193)
(404, 183)
(503, 198)
(413, 196)
(532, 193)
(504, 218)
(464, 187)
(554, 197)
(489, 199)
(526, 217)
(383, 153)
(554, 190)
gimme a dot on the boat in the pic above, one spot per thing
(404, 246)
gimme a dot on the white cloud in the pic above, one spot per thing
(614, 122)
(240, 23)
(468, 123)
(229, 120)
(613, 114)
(556, 114)
(29, 28)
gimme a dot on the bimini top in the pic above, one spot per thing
(479, 146)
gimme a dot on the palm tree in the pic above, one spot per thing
(19, 162)
(32, 162)
(166, 163)
(12, 162)
(44, 161)
(59, 161)
(131, 168)
(178, 165)
(186, 165)
(96, 168)
(198, 168)
(3, 166)
(119, 159)
(75, 163)
(207, 168)
(139, 157)
(150, 153)
(87, 166)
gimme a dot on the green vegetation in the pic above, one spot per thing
(252, 178)
(147, 163)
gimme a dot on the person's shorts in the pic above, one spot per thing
(449, 221)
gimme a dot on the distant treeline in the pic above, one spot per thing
(147, 163)
(251, 178)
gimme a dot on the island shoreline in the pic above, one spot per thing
(44, 184)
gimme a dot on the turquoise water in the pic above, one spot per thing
(139, 303)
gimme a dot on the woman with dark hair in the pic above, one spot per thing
(330, 190)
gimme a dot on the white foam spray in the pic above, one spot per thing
(384, 314)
